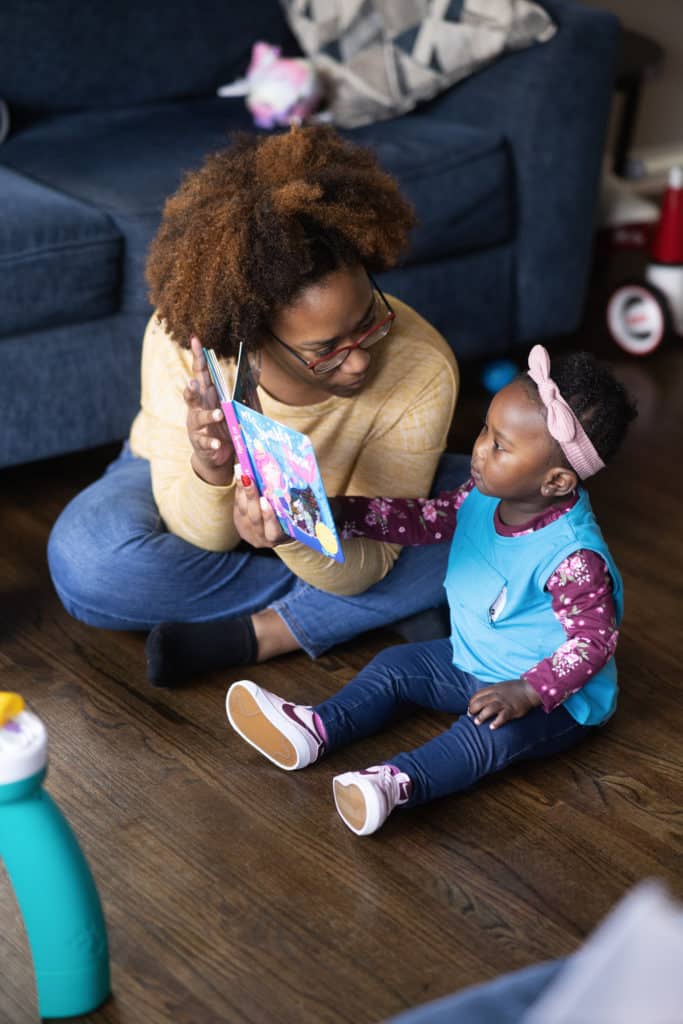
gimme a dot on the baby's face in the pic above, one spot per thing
(514, 450)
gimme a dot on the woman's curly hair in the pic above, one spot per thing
(259, 221)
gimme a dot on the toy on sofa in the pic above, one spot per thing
(279, 90)
(52, 882)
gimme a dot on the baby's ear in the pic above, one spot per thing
(559, 482)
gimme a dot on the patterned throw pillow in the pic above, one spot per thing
(382, 57)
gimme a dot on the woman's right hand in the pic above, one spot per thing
(254, 518)
(213, 456)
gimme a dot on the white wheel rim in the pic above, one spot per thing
(635, 319)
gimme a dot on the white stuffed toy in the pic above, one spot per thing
(279, 90)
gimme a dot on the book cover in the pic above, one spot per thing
(280, 460)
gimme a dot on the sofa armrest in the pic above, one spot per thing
(551, 103)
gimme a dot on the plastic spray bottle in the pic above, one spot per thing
(50, 876)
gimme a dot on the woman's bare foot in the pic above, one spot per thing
(272, 635)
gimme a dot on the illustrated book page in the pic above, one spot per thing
(279, 459)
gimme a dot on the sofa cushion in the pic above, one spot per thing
(59, 55)
(58, 257)
(459, 179)
(127, 162)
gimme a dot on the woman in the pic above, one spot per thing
(273, 243)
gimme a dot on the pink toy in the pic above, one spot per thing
(279, 90)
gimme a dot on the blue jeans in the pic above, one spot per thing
(424, 674)
(503, 1000)
(115, 565)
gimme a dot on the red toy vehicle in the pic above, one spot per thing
(642, 313)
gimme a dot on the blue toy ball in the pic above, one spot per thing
(498, 373)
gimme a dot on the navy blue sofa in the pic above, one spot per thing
(111, 103)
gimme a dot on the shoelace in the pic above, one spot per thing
(388, 781)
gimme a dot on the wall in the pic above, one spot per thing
(660, 115)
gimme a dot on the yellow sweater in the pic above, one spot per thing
(387, 440)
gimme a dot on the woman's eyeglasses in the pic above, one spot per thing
(333, 360)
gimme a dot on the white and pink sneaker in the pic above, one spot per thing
(287, 734)
(365, 799)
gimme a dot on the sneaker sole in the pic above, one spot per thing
(250, 722)
(351, 806)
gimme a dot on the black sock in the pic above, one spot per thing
(178, 650)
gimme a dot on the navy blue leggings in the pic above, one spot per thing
(424, 674)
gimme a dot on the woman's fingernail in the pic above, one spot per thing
(263, 502)
(246, 480)
(217, 414)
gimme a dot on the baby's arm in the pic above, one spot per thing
(406, 521)
(581, 589)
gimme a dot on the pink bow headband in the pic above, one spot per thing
(563, 423)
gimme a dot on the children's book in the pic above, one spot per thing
(280, 460)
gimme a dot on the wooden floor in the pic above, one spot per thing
(232, 891)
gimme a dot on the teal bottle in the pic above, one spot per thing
(50, 876)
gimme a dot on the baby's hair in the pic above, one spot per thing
(599, 401)
(261, 220)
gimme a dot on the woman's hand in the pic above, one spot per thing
(212, 452)
(254, 518)
(512, 699)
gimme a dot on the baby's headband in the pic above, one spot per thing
(563, 424)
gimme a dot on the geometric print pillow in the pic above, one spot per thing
(379, 58)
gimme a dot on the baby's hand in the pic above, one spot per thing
(505, 701)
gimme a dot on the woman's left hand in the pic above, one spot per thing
(503, 702)
(253, 516)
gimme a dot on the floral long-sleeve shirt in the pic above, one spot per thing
(580, 587)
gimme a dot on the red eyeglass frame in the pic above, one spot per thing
(311, 365)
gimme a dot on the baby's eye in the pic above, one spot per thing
(498, 447)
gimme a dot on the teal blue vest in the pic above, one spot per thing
(502, 622)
